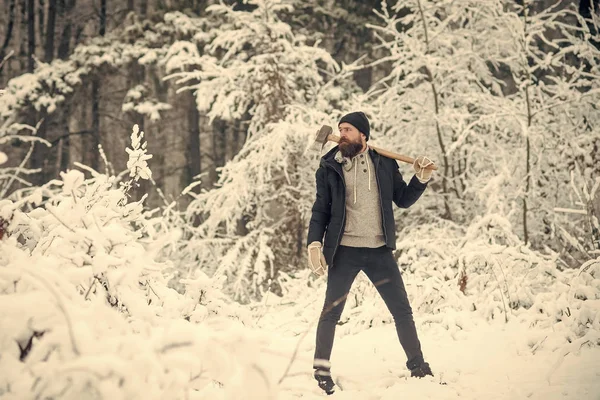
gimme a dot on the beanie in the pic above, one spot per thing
(359, 120)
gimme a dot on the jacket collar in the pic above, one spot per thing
(328, 160)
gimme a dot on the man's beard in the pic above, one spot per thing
(348, 148)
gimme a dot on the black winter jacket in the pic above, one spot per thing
(329, 210)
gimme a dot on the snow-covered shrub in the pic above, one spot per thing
(86, 312)
(56, 344)
(485, 270)
(577, 226)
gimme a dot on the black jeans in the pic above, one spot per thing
(380, 267)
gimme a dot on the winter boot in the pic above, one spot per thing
(323, 377)
(421, 371)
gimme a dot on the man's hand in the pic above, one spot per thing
(419, 165)
(316, 260)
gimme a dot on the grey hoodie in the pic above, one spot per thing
(363, 211)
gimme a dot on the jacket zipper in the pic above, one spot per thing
(343, 217)
(380, 202)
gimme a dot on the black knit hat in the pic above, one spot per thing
(359, 120)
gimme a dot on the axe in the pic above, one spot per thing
(325, 134)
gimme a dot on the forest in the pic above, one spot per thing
(157, 173)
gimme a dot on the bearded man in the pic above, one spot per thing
(352, 229)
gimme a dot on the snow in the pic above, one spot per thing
(138, 100)
(486, 360)
(101, 298)
(80, 279)
(103, 320)
(528, 357)
(138, 157)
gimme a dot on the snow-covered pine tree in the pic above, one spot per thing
(53, 87)
(252, 226)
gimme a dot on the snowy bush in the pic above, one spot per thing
(85, 310)
(486, 271)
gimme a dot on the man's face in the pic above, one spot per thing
(351, 140)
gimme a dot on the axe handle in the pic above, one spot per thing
(399, 157)
(395, 156)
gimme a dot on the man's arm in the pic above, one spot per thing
(406, 195)
(321, 209)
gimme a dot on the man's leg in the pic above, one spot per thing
(340, 277)
(383, 271)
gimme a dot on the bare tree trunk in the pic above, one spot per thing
(63, 52)
(64, 45)
(49, 46)
(219, 141)
(193, 153)
(30, 35)
(94, 154)
(92, 150)
(9, 30)
(65, 41)
(216, 131)
(41, 153)
(59, 155)
(22, 41)
(41, 20)
(223, 145)
(64, 146)
(235, 138)
(39, 156)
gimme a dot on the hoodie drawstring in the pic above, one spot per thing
(355, 181)
(369, 168)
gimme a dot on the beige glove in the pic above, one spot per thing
(419, 165)
(316, 260)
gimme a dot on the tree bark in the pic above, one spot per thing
(30, 35)
(219, 132)
(102, 17)
(41, 20)
(193, 161)
(65, 41)
(64, 46)
(50, 27)
(94, 154)
(9, 31)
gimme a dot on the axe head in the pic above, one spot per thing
(322, 136)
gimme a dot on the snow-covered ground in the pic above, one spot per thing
(230, 352)
(483, 361)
